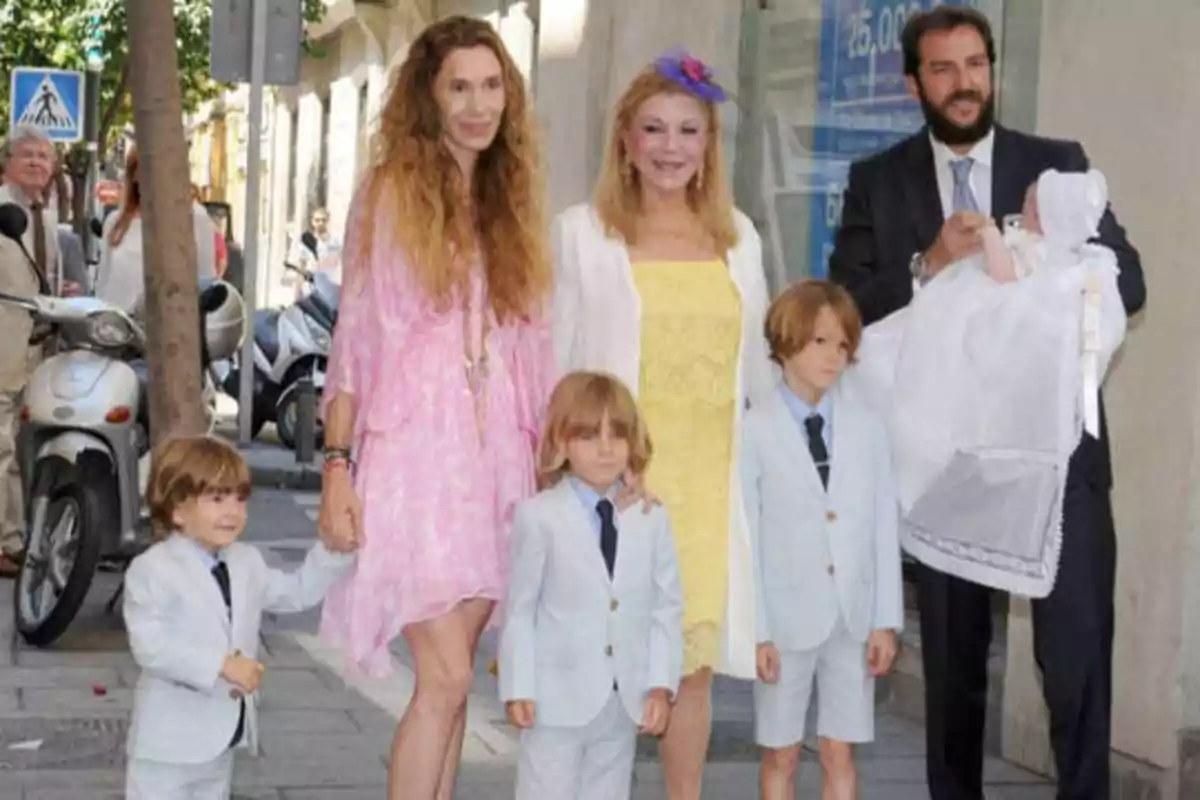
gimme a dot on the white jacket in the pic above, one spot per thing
(180, 633)
(570, 631)
(821, 555)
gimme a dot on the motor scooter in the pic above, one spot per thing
(290, 344)
(84, 444)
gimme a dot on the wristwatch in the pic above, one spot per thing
(917, 266)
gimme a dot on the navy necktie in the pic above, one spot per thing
(608, 534)
(221, 573)
(816, 446)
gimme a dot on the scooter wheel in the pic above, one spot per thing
(76, 504)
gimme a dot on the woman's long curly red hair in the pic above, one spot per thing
(411, 163)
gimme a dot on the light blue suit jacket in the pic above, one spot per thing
(570, 632)
(818, 554)
(180, 633)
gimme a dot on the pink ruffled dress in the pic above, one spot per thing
(437, 501)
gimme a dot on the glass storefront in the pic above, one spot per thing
(822, 85)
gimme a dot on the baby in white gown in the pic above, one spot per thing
(989, 378)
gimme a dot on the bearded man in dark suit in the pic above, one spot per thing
(908, 213)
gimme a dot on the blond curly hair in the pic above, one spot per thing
(411, 164)
(618, 198)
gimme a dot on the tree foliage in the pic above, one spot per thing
(56, 33)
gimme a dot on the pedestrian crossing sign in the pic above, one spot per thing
(51, 99)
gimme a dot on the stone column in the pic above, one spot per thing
(343, 158)
(1125, 79)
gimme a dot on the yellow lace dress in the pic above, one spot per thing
(691, 333)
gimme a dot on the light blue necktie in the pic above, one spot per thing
(964, 198)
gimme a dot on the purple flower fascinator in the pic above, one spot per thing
(691, 74)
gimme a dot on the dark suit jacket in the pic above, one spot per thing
(74, 264)
(892, 210)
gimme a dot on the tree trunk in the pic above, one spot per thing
(169, 248)
(61, 194)
(79, 191)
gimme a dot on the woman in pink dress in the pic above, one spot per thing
(440, 371)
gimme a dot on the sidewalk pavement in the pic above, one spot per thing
(64, 714)
(273, 466)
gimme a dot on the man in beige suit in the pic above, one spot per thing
(28, 166)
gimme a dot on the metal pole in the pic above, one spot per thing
(306, 420)
(92, 130)
(258, 61)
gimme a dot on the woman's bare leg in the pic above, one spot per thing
(475, 614)
(442, 655)
(684, 748)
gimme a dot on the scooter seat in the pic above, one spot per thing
(266, 332)
(319, 310)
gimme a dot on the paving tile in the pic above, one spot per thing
(375, 792)
(74, 658)
(304, 689)
(70, 794)
(997, 771)
(273, 721)
(82, 701)
(76, 784)
(311, 770)
(323, 745)
(58, 677)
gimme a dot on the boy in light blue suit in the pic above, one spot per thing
(823, 521)
(592, 647)
(193, 608)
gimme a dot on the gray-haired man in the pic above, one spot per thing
(28, 166)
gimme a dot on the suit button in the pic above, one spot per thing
(831, 515)
(614, 605)
(608, 650)
(830, 569)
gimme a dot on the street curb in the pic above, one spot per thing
(297, 479)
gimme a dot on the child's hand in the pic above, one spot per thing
(656, 712)
(881, 651)
(337, 542)
(768, 662)
(244, 673)
(633, 489)
(521, 712)
(997, 256)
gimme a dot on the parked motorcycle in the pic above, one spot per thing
(289, 344)
(84, 444)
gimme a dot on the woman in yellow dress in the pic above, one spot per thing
(660, 282)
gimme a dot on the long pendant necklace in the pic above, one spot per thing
(475, 362)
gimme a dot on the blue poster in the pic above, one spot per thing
(862, 101)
